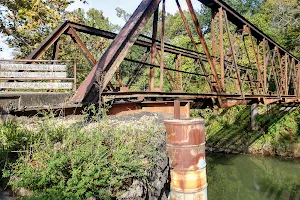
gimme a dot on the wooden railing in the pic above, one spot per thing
(36, 75)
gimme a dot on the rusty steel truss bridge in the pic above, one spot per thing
(237, 63)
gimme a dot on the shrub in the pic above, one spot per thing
(84, 160)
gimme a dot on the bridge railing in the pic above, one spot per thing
(37, 75)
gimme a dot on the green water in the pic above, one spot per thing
(246, 177)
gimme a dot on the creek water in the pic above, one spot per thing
(243, 177)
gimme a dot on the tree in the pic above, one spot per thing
(280, 20)
(27, 23)
(245, 6)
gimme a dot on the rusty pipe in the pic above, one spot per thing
(176, 109)
(186, 150)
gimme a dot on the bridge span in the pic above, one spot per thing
(235, 64)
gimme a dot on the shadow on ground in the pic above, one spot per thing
(231, 131)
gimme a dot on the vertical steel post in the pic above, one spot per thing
(221, 46)
(55, 50)
(153, 49)
(265, 61)
(254, 113)
(180, 73)
(75, 75)
(204, 46)
(162, 46)
(176, 109)
(202, 65)
(231, 44)
(286, 89)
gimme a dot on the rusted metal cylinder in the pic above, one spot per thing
(186, 150)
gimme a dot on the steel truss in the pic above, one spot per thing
(237, 55)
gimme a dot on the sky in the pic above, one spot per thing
(108, 7)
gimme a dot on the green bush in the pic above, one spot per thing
(13, 139)
(78, 161)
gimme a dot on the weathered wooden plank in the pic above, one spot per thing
(34, 74)
(36, 85)
(35, 67)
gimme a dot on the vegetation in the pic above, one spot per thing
(78, 160)
(229, 130)
(27, 23)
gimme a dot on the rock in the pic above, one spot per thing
(159, 176)
(135, 191)
(6, 195)
(158, 186)
(91, 198)
(23, 192)
(57, 146)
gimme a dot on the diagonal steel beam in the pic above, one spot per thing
(84, 50)
(204, 45)
(234, 54)
(189, 32)
(240, 21)
(119, 48)
(47, 42)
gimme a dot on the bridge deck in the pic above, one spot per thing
(188, 95)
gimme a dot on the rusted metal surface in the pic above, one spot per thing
(162, 61)
(82, 47)
(48, 41)
(233, 102)
(202, 195)
(237, 71)
(125, 108)
(187, 158)
(119, 48)
(55, 51)
(186, 149)
(176, 109)
(188, 181)
(267, 62)
(240, 21)
(194, 45)
(204, 46)
(153, 50)
(185, 95)
(185, 132)
(166, 107)
(147, 106)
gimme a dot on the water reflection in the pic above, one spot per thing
(243, 177)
